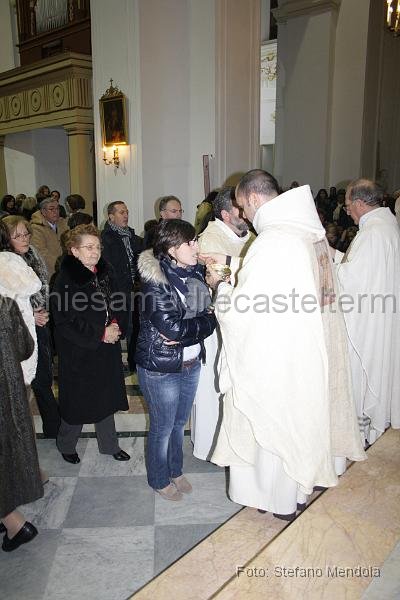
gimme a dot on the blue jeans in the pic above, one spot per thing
(169, 397)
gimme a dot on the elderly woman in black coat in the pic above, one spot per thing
(20, 480)
(90, 373)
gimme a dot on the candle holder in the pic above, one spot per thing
(393, 16)
(115, 158)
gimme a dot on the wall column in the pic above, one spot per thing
(3, 177)
(306, 53)
(122, 64)
(237, 55)
(81, 163)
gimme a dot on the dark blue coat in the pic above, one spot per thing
(162, 312)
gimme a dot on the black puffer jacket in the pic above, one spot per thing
(162, 312)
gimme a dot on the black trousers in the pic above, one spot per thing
(41, 385)
(107, 439)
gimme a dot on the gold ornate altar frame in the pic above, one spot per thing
(54, 92)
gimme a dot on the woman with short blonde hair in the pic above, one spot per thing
(90, 374)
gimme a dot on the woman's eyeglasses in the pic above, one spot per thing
(21, 236)
(90, 248)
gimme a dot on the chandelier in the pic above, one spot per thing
(393, 16)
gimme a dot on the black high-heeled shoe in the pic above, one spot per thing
(24, 535)
(71, 458)
(121, 455)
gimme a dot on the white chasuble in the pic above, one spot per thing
(277, 434)
(207, 406)
(369, 282)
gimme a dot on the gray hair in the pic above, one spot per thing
(367, 191)
(49, 200)
(164, 201)
(223, 201)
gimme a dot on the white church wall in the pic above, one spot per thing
(372, 91)
(34, 158)
(161, 55)
(165, 98)
(348, 91)
(238, 35)
(305, 62)
(388, 162)
(20, 164)
(115, 52)
(178, 99)
(338, 93)
(202, 99)
(7, 55)
(50, 148)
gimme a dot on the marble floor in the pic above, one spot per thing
(387, 586)
(103, 533)
(355, 523)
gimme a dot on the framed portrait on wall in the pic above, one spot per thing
(114, 126)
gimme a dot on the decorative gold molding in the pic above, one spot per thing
(52, 92)
(111, 92)
(297, 8)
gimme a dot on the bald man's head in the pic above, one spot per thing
(362, 196)
(255, 189)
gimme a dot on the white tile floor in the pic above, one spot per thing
(103, 532)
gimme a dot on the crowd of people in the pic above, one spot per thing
(237, 323)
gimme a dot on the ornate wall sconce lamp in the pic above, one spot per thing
(393, 16)
(115, 158)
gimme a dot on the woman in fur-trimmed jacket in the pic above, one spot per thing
(20, 233)
(19, 282)
(175, 319)
(90, 374)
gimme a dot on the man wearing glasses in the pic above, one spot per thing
(47, 228)
(170, 207)
(369, 278)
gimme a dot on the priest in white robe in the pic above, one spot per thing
(278, 433)
(369, 279)
(228, 235)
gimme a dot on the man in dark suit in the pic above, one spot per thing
(121, 247)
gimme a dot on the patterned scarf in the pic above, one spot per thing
(125, 234)
(193, 287)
